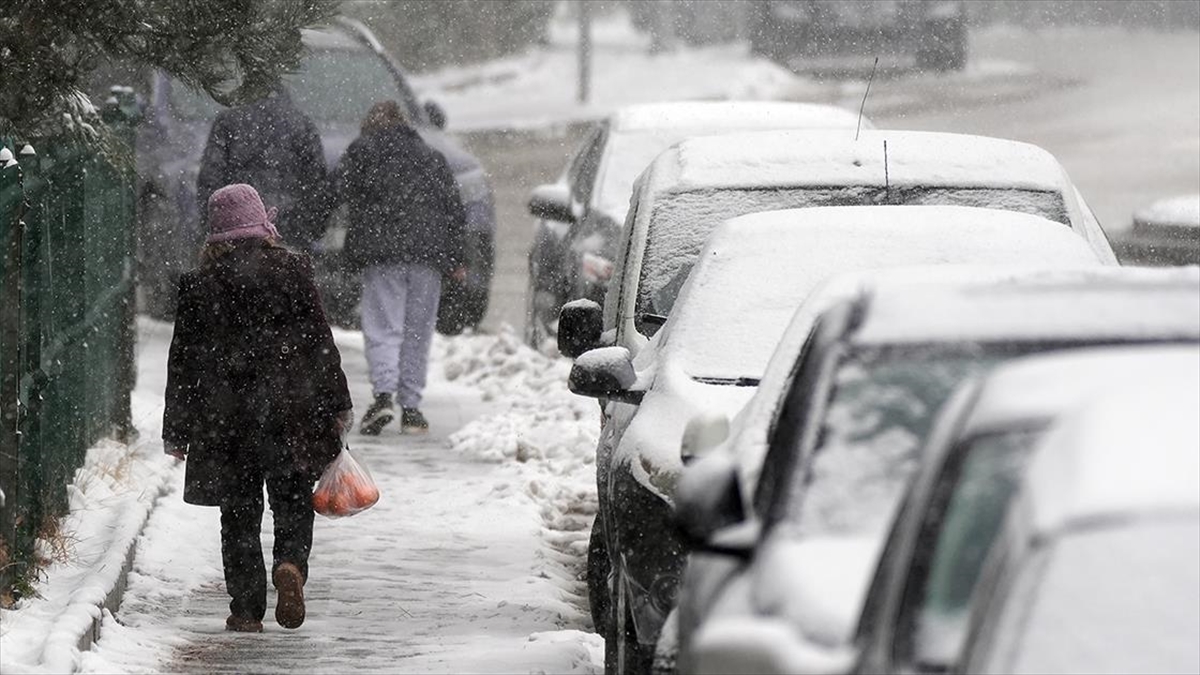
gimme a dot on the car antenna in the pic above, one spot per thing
(887, 183)
(863, 105)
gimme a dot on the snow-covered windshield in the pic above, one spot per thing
(883, 404)
(974, 504)
(335, 85)
(682, 221)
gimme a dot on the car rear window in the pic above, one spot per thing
(682, 221)
(332, 85)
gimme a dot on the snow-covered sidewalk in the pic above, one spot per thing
(469, 563)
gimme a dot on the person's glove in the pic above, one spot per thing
(179, 452)
(343, 422)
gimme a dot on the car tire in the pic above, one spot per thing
(598, 568)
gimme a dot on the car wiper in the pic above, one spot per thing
(729, 381)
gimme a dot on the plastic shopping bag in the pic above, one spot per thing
(345, 488)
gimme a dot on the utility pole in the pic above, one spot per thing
(584, 50)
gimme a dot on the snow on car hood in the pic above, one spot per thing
(651, 444)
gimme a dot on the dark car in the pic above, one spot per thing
(934, 32)
(345, 71)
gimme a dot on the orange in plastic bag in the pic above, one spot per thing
(345, 488)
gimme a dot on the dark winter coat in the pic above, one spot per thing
(252, 358)
(404, 202)
(273, 146)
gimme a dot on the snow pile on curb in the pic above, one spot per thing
(110, 499)
(546, 434)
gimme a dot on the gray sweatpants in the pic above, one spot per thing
(399, 313)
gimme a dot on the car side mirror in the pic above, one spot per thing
(580, 324)
(436, 114)
(703, 433)
(606, 372)
(708, 502)
(552, 202)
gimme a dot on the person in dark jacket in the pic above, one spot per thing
(255, 393)
(406, 232)
(275, 147)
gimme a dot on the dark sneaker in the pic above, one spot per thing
(380, 414)
(413, 422)
(289, 601)
(241, 624)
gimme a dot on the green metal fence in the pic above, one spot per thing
(66, 325)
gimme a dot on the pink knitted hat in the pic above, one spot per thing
(236, 212)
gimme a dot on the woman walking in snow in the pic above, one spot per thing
(255, 393)
(406, 232)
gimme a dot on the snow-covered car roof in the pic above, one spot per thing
(748, 435)
(835, 158)
(1182, 211)
(733, 115)
(755, 270)
(1040, 387)
(641, 132)
(1112, 302)
(1133, 451)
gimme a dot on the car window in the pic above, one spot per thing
(681, 222)
(789, 425)
(963, 518)
(332, 85)
(881, 408)
(582, 174)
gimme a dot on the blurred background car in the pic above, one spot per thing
(345, 71)
(689, 189)
(1097, 567)
(917, 609)
(1166, 232)
(710, 354)
(849, 427)
(932, 32)
(580, 216)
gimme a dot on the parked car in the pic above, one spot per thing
(863, 378)
(1097, 566)
(735, 304)
(1166, 232)
(345, 71)
(916, 610)
(934, 33)
(580, 215)
(695, 185)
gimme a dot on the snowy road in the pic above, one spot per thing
(450, 572)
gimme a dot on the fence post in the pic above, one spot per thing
(12, 207)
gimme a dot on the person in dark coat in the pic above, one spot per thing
(275, 147)
(255, 393)
(406, 231)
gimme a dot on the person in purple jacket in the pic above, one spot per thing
(255, 394)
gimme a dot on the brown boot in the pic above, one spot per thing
(241, 624)
(289, 601)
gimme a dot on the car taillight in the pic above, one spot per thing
(595, 268)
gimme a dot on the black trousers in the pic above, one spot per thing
(290, 495)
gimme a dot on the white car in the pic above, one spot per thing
(580, 215)
(736, 303)
(861, 380)
(1097, 568)
(917, 608)
(692, 187)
